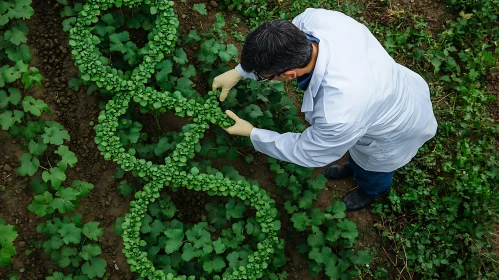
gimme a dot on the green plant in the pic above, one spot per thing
(69, 243)
(200, 8)
(71, 246)
(8, 234)
(173, 172)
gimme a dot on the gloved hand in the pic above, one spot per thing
(241, 127)
(226, 81)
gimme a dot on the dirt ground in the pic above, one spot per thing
(75, 110)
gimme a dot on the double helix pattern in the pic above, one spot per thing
(94, 67)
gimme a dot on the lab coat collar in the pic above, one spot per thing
(317, 76)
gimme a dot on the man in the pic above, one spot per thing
(357, 99)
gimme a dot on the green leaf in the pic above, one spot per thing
(319, 182)
(157, 227)
(41, 204)
(34, 106)
(189, 72)
(437, 62)
(254, 111)
(68, 24)
(300, 221)
(193, 35)
(219, 246)
(31, 77)
(68, 157)
(349, 230)
(232, 50)
(189, 252)
(337, 209)
(175, 239)
(333, 234)
(15, 35)
(320, 255)
(214, 265)
(116, 41)
(82, 187)
(64, 201)
(89, 251)
(8, 234)
(6, 120)
(316, 217)
(13, 98)
(70, 233)
(29, 165)
(126, 188)
(166, 68)
(290, 208)
(198, 235)
(38, 186)
(96, 267)
(180, 56)
(332, 268)
(235, 209)
(200, 8)
(55, 175)
(316, 239)
(59, 276)
(92, 230)
(36, 148)
(68, 251)
(55, 135)
(220, 21)
(361, 258)
(307, 200)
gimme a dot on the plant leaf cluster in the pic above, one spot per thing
(132, 88)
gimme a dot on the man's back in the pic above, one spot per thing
(356, 83)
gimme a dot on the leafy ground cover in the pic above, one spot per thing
(438, 221)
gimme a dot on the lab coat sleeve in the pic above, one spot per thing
(245, 74)
(317, 146)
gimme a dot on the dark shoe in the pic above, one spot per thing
(357, 199)
(338, 171)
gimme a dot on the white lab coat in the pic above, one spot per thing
(358, 100)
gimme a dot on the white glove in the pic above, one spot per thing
(226, 81)
(241, 127)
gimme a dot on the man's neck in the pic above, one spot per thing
(311, 65)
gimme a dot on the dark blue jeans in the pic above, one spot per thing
(373, 183)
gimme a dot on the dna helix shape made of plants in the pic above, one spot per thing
(94, 67)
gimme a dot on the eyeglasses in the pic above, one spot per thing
(261, 78)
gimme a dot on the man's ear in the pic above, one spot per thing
(289, 74)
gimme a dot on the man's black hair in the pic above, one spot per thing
(274, 47)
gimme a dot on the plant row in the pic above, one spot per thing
(73, 245)
(129, 87)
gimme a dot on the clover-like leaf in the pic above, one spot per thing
(55, 135)
(200, 8)
(95, 267)
(300, 221)
(89, 251)
(214, 265)
(92, 230)
(55, 175)
(175, 239)
(42, 204)
(70, 234)
(68, 157)
(29, 165)
(36, 148)
(253, 111)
